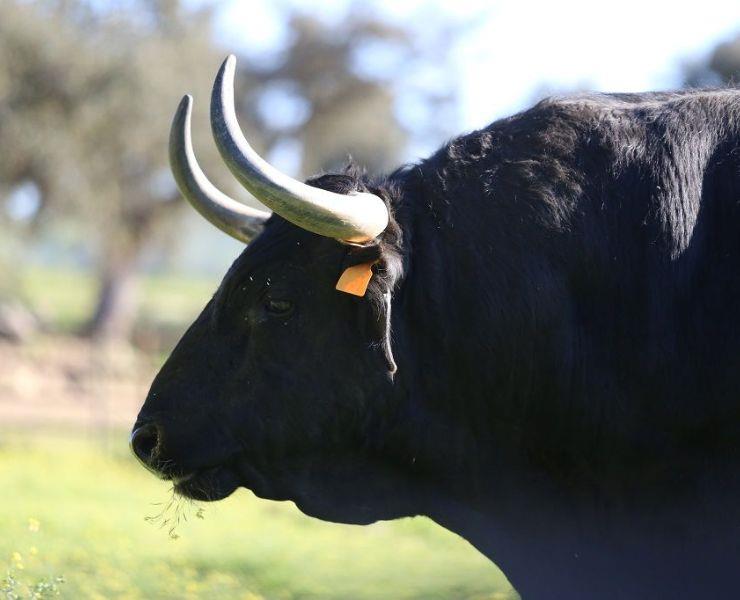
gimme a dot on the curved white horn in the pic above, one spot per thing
(355, 217)
(230, 216)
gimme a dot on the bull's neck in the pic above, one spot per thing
(439, 380)
(472, 338)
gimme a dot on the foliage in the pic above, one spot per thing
(13, 588)
(86, 97)
(336, 111)
(89, 504)
(721, 67)
(85, 100)
(341, 85)
(17, 586)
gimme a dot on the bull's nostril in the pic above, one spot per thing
(144, 442)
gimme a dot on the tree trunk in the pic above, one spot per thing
(118, 296)
(117, 301)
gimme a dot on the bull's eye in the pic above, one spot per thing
(279, 308)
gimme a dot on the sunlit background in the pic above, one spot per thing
(103, 266)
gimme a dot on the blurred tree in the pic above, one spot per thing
(332, 111)
(337, 90)
(720, 68)
(85, 103)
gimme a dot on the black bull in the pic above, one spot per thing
(546, 361)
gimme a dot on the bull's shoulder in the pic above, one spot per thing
(706, 111)
(728, 97)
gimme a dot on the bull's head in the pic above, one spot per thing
(283, 384)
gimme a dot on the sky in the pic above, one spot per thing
(516, 48)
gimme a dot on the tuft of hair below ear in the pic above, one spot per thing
(386, 340)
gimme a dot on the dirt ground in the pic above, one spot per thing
(68, 381)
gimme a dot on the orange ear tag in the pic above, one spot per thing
(355, 279)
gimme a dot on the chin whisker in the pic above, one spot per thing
(174, 511)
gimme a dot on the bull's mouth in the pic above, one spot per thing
(218, 482)
(207, 485)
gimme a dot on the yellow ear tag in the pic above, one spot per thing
(356, 278)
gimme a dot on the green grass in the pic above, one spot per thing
(88, 501)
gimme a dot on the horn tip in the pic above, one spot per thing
(185, 103)
(229, 63)
(183, 112)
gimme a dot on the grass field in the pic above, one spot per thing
(75, 507)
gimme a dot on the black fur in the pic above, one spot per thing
(565, 287)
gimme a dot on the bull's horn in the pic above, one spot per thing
(230, 216)
(355, 217)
